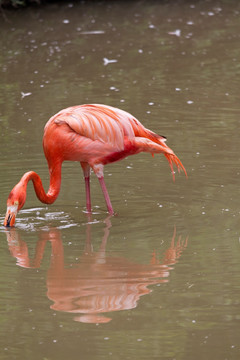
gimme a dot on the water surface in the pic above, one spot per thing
(161, 279)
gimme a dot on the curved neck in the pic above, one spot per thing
(54, 187)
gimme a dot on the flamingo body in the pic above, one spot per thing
(95, 135)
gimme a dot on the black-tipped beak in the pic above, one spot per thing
(10, 216)
(7, 221)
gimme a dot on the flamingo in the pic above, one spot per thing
(94, 135)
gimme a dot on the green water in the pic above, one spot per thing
(161, 279)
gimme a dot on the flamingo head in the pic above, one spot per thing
(15, 202)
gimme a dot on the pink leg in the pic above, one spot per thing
(86, 172)
(88, 196)
(106, 196)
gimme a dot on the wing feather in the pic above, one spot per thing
(97, 122)
(104, 123)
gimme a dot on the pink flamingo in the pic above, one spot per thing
(94, 135)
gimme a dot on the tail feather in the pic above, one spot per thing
(157, 145)
(171, 157)
(174, 160)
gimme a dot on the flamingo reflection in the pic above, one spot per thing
(98, 283)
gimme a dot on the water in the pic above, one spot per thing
(161, 279)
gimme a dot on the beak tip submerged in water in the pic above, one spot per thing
(10, 216)
(9, 220)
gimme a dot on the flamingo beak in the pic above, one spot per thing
(10, 215)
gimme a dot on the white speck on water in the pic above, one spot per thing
(140, 51)
(176, 32)
(151, 103)
(93, 32)
(151, 26)
(189, 102)
(66, 21)
(55, 340)
(25, 94)
(210, 13)
(107, 61)
(193, 321)
(177, 89)
(106, 338)
(113, 88)
(190, 23)
(139, 339)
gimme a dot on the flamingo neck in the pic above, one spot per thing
(54, 187)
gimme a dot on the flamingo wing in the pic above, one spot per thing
(98, 122)
(114, 128)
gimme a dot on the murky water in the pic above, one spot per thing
(161, 280)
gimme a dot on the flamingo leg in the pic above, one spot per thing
(88, 195)
(106, 195)
(86, 172)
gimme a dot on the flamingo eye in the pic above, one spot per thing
(16, 202)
